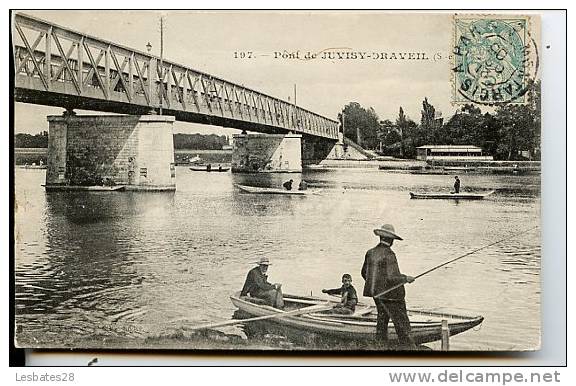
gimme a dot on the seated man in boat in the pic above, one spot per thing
(385, 284)
(288, 185)
(303, 185)
(257, 286)
(348, 294)
(456, 185)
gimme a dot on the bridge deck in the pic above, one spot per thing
(89, 73)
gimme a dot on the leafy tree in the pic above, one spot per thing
(519, 127)
(361, 125)
(199, 141)
(427, 124)
(465, 127)
(407, 130)
(40, 140)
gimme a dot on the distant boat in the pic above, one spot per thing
(188, 161)
(31, 166)
(452, 196)
(429, 171)
(459, 168)
(209, 168)
(260, 190)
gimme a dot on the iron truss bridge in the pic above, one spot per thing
(56, 66)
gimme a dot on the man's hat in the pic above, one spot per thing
(387, 230)
(263, 261)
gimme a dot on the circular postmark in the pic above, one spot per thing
(491, 58)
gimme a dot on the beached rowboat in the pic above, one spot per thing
(452, 196)
(260, 190)
(358, 330)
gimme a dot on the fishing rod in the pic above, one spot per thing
(457, 258)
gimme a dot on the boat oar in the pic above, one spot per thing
(299, 311)
(453, 260)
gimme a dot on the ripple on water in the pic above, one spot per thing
(123, 267)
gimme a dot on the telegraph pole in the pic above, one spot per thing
(161, 62)
(295, 111)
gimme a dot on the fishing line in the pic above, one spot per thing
(457, 258)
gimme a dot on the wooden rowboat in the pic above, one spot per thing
(260, 190)
(358, 330)
(204, 168)
(452, 196)
(95, 188)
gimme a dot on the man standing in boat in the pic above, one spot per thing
(382, 274)
(256, 285)
(456, 185)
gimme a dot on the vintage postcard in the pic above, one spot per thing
(277, 180)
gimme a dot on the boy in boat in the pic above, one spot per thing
(257, 286)
(385, 284)
(349, 297)
(288, 185)
(456, 185)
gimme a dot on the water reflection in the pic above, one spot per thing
(125, 266)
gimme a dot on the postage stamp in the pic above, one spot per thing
(491, 59)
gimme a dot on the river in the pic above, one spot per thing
(133, 269)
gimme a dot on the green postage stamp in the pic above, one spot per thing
(495, 60)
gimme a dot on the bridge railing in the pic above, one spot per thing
(55, 60)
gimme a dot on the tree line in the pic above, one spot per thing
(507, 132)
(181, 141)
(200, 141)
(31, 141)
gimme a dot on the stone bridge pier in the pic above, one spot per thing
(254, 153)
(134, 151)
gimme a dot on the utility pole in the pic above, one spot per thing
(295, 108)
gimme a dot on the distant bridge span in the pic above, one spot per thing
(56, 66)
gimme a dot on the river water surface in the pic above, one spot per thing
(128, 269)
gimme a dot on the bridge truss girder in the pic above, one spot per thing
(56, 66)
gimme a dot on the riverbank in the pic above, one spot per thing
(424, 167)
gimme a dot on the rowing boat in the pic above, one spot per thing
(358, 330)
(205, 168)
(261, 190)
(91, 188)
(452, 196)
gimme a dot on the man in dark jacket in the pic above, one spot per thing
(348, 295)
(288, 184)
(456, 185)
(256, 285)
(381, 273)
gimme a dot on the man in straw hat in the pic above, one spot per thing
(257, 286)
(381, 273)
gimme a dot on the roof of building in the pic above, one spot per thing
(450, 147)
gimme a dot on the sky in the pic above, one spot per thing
(208, 41)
